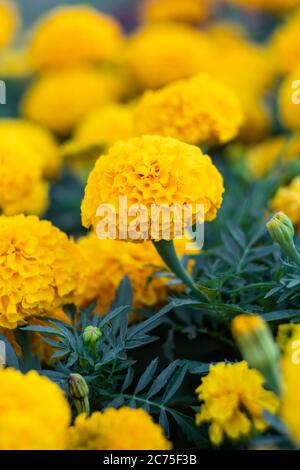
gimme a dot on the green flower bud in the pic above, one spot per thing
(282, 232)
(91, 335)
(258, 347)
(79, 391)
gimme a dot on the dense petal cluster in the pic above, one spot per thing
(122, 429)
(233, 401)
(153, 170)
(21, 169)
(59, 99)
(287, 200)
(9, 21)
(195, 111)
(26, 420)
(72, 35)
(285, 44)
(38, 138)
(38, 269)
(159, 54)
(190, 11)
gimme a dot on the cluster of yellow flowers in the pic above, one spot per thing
(128, 114)
(27, 422)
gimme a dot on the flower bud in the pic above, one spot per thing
(258, 347)
(79, 391)
(91, 335)
(282, 232)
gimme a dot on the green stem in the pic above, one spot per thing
(166, 250)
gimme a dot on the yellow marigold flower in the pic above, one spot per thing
(189, 11)
(26, 420)
(195, 111)
(285, 333)
(290, 367)
(9, 21)
(59, 99)
(233, 401)
(105, 262)
(38, 138)
(276, 6)
(23, 190)
(285, 44)
(246, 66)
(101, 128)
(122, 429)
(289, 101)
(263, 156)
(287, 200)
(153, 170)
(71, 35)
(159, 54)
(38, 269)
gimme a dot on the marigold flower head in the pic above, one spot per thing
(291, 385)
(38, 269)
(72, 35)
(122, 429)
(195, 111)
(22, 187)
(101, 128)
(26, 420)
(38, 138)
(59, 99)
(288, 101)
(233, 401)
(9, 21)
(287, 200)
(153, 170)
(276, 6)
(159, 54)
(285, 43)
(189, 11)
(105, 262)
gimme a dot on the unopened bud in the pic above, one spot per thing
(79, 391)
(282, 232)
(91, 336)
(258, 347)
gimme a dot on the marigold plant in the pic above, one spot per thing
(190, 11)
